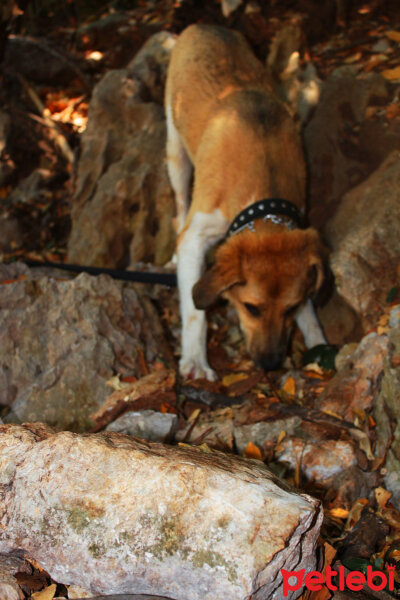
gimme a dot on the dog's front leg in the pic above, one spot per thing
(193, 363)
(308, 324)
(203, 232)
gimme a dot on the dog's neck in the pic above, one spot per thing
(271, 211)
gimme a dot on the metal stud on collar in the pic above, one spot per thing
(276, 210)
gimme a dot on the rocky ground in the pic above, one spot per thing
(83, 180)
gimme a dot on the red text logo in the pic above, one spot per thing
(354, 580)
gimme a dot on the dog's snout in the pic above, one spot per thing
(270, 362)
(269, 356)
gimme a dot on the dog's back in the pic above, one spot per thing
(207, 65)
(231, 122)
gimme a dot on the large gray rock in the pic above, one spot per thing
(347, 139)
(9, 566)
(265, 431)
(148, 425)
(62, 339)
(355, 386)
(344, 142)
(321, 461)
(10, 234)
(123, 207)
(213, 428)
(39, 62)
(151, 519)
(320, 447)
(387, 411)
(364, 235)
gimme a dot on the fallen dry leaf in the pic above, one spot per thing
(393, 35)
(377, 463)
(338, 513)
(281, 436)
(204, 447)
(75, 592)
(382, 330)
(156, 383)
(34, 581)
(4, 191)
(252, 451)
(314, 371)
(392, 111)
(324, 593)
(290, 386)
(383, 320)
(355, 513)
(360, 413)
(117, 384)
(243, 386)
(142, 362)
(375, 61)
(319, 389)
(131, 378)
(353, 58)
(166, 407)
(382, 496)
(363, 442)
(46, 594)
(391, 74)
(332, 413)
(227, 380)
(330, 553)
(194, 415)
(391, 516)
(383, 323)
(314, 367)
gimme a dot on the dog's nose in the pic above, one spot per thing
(270, 362)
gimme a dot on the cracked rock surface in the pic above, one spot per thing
(62, 339)
(151, 519)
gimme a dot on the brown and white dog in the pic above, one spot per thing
(225, 120)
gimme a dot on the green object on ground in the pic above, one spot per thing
(323, 354)
(393, 294)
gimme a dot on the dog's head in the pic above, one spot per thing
(267, 278)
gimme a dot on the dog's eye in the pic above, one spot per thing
(292, 310)
(252, 309)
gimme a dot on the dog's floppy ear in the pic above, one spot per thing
(315, 275)
(317, 263)
(225, 273)
(213, 283)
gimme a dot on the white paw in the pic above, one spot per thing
(190, 368)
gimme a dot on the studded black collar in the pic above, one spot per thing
(281, 212)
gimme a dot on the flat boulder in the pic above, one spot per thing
(151, 519)
(387, 410)
(347, 137)
(364, 236)
(63, 338)
(123, 207)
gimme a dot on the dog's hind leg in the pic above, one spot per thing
(180, 170)
(308, 324)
